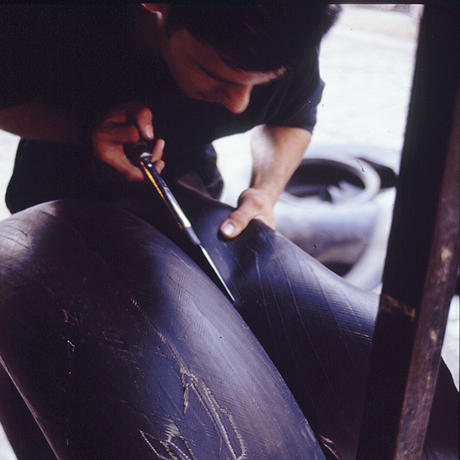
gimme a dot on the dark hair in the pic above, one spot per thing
(261, 38)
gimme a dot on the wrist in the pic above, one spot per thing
(268, 192)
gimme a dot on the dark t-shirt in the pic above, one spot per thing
(85, 60)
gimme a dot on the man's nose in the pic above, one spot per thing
(236, 98)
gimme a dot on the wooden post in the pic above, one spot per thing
(422, 259)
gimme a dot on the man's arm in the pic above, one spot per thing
(277, 152)
(123, 125)
(40, 122)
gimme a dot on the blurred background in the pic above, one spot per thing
(367, 62)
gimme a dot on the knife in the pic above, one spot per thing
(143, 162)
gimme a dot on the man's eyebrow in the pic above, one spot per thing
(211, 74)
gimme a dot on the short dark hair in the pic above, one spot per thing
(260, 38)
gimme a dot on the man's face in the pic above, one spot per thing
(201, 73)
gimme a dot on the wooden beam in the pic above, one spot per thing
(422, 260)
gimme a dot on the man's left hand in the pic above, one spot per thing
(252, 204)
(276, 154)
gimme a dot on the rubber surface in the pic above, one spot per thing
(123, 348)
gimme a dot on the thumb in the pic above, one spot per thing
(237, 221)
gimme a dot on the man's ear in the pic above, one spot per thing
(156, 7)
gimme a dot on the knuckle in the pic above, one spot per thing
(252, 198)
(239, 217)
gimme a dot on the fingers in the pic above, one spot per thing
(117, 134)
(133, 116)
(159, 166)
(157, 154)
(132, 113)
(252, 205)
(157, 151)
(144, 122)
(125, 124)
(114, 155)
(108, 147)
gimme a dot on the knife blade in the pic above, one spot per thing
(143, 162)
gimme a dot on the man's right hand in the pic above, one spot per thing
(125, 125)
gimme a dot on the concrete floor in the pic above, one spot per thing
(367, 63)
